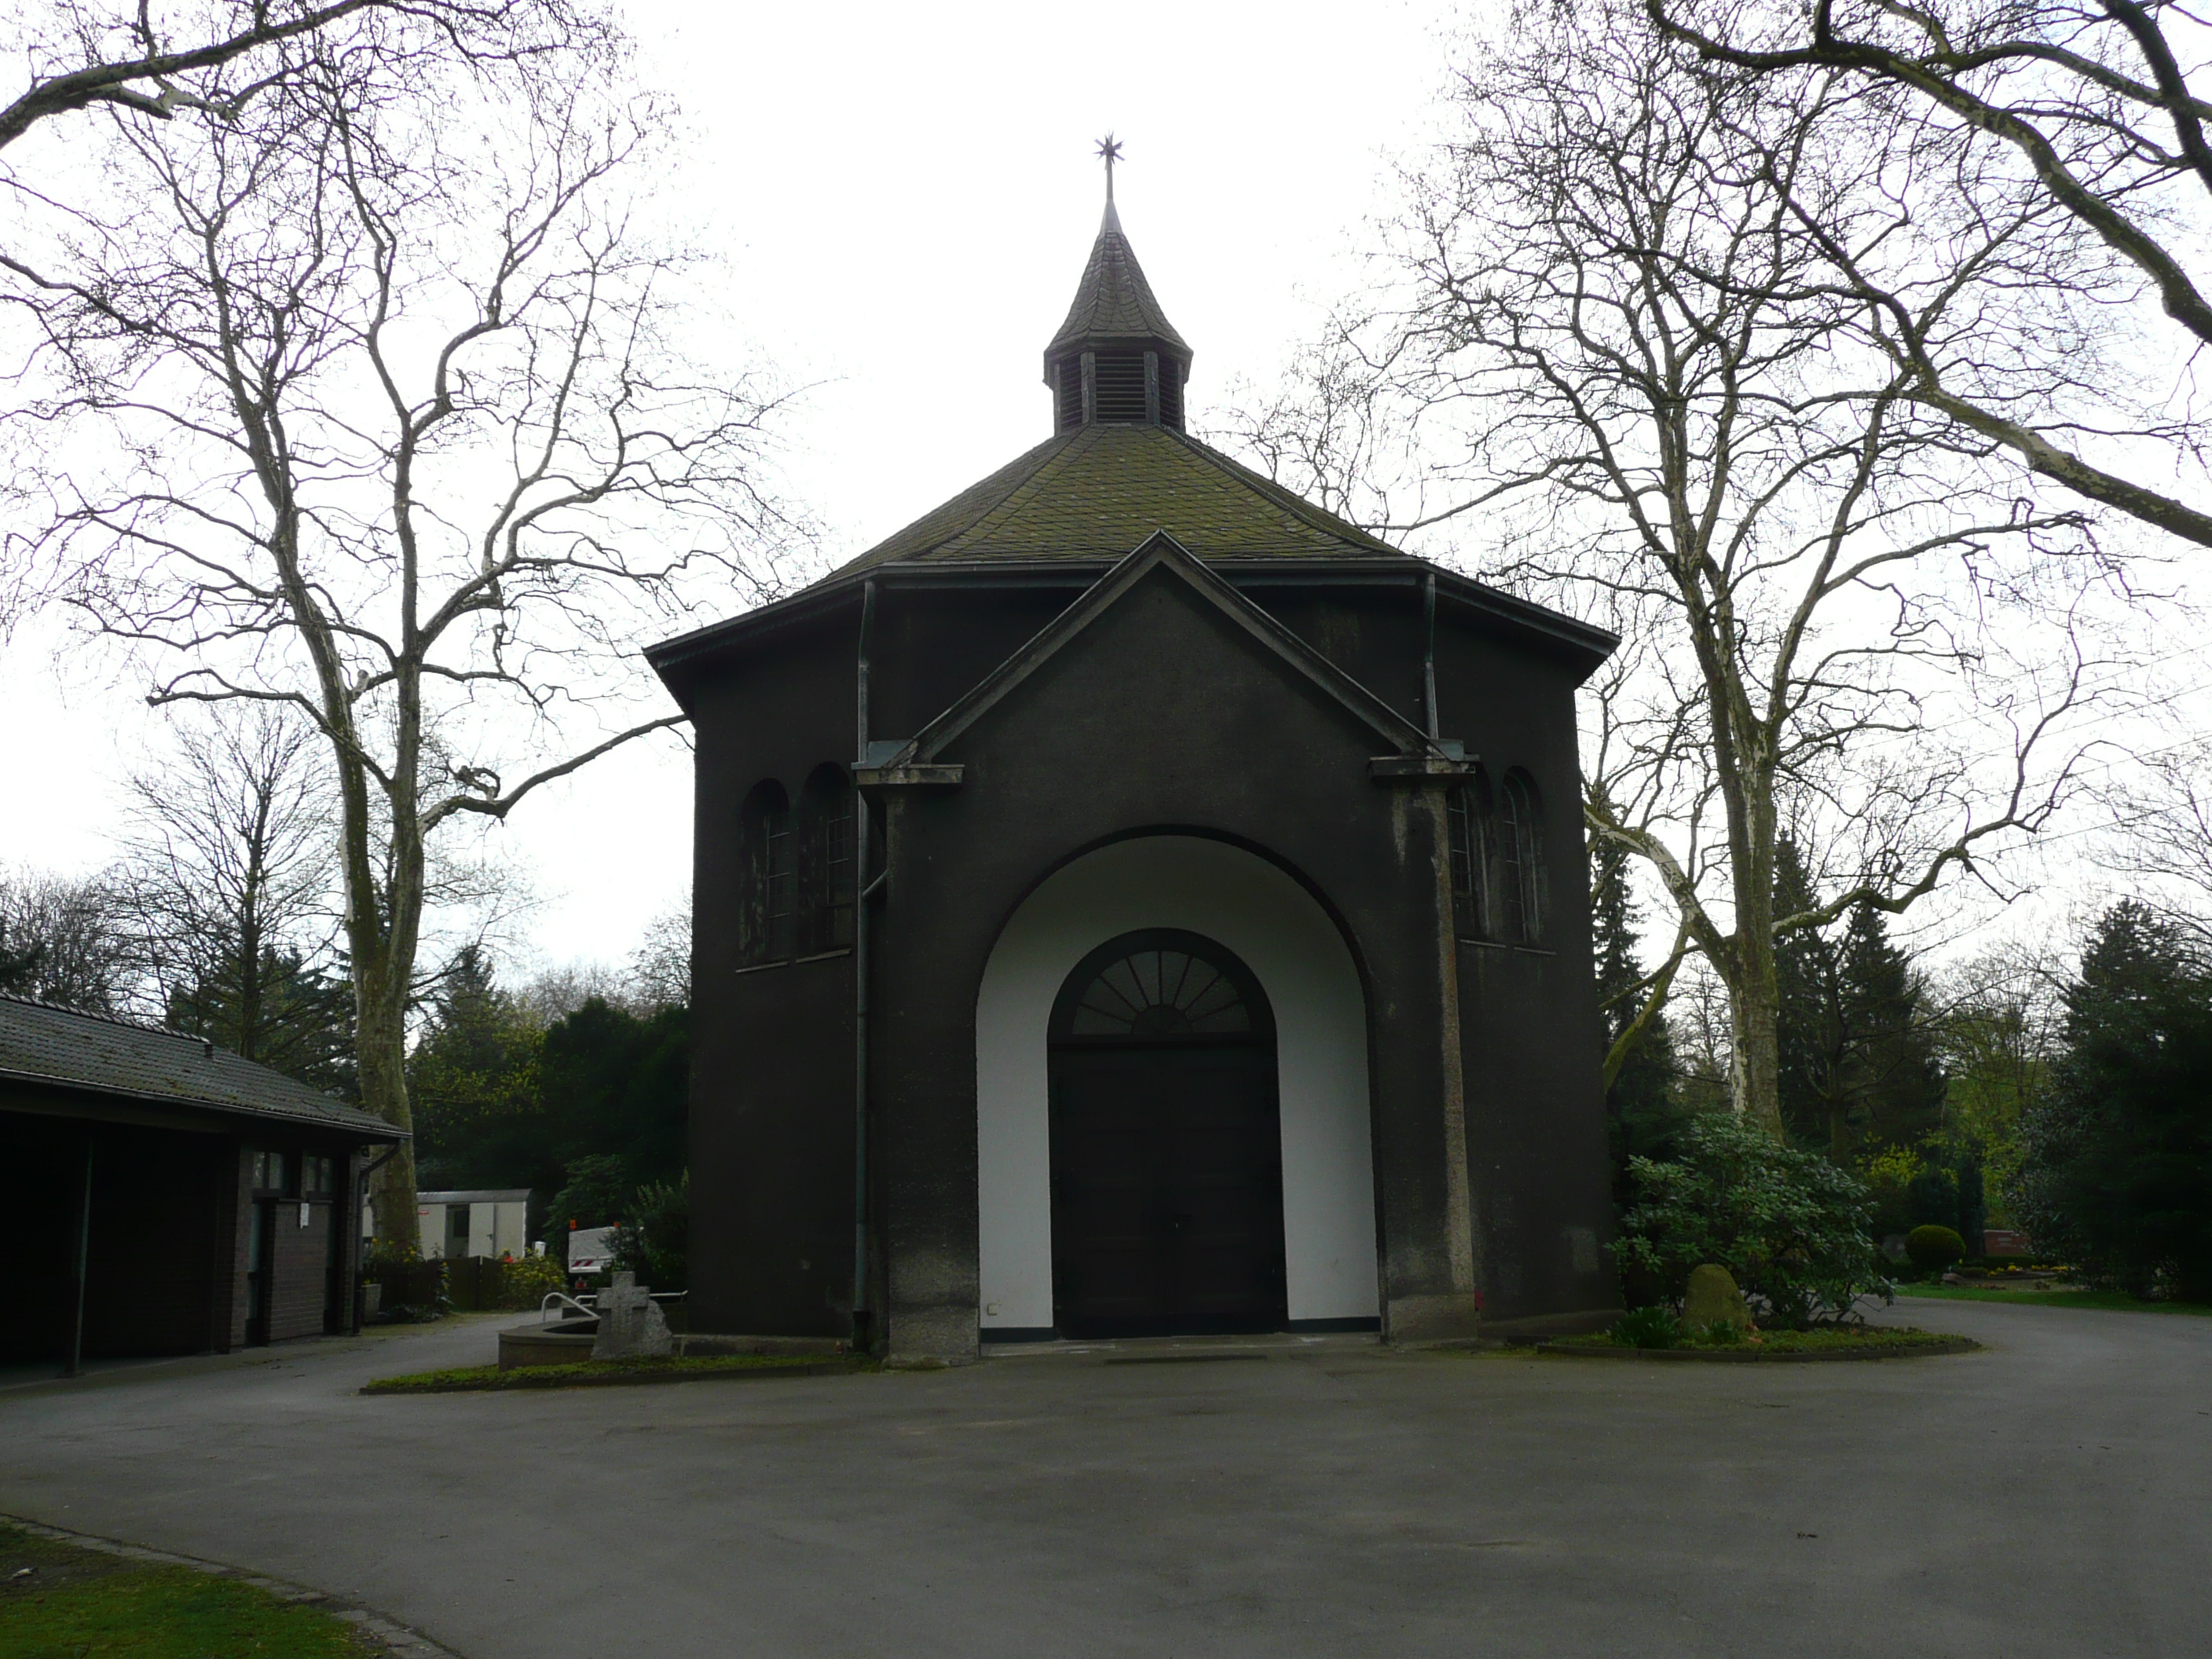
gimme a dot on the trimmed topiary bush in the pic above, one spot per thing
(1932, 1248)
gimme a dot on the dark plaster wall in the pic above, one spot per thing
(771, 1130)
(1374, 634)
(154, 1258)
(1528, 1017)
(1159, 716)
(932, 644)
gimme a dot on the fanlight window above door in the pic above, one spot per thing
(1161, 993)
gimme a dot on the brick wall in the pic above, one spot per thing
(241, 1221)
(296, 1299)
(300, 1258)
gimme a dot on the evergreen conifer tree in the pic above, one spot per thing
(1641, 1086)
(1892, 1080)
(1642, 1116)
(2116, 1154)
(298, 1020)
(479, 1121)
(1810, 1024)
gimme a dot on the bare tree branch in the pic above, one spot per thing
(310, 338)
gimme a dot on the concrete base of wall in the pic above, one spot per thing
(1420, 1320)
(945, 1335)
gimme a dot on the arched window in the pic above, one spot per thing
(1469, 820)
(825, 860)
(770, 887)
(1161, 985)
(1520, 886)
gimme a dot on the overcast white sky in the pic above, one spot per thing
(905, 196)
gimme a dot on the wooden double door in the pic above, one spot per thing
(1167, 1176)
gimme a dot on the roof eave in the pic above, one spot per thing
(1590, 645)
(307, 1116)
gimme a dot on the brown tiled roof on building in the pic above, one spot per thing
(60, 1048)
(1098, 490)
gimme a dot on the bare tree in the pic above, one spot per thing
(661, 967)
(2162, 833)
(1618, 341)
(2088, 110)
(229, 878)
(213, 56)
(66, 940)
(551, 994)
(406, 436)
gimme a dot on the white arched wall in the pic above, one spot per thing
(1274, 925)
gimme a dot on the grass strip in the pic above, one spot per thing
(59, 1601)
(604, 1373)
(1856, 1342)
(2113, 1301)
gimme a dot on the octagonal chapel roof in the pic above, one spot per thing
(1099, 489)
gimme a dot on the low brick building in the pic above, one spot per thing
(164, 1196)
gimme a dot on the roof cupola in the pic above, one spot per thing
(1116, 358)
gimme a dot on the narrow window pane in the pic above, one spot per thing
(783, 882)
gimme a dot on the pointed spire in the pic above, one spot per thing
(1116, 329)
(1109, 151)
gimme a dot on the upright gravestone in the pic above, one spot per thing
(630, 1323)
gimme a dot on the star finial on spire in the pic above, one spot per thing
(1109, 151)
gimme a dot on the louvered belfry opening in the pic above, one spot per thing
(1117, 358)
(1067, 395)
(1121, 385)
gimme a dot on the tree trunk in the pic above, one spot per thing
(1755, 1066)
(1754, 984)
(381, 1052)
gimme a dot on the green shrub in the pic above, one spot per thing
(1932, 1248)
(1721, 1334)
(526, 1281)
(1790, 1227)
(1653, 1326)
(655, 1242)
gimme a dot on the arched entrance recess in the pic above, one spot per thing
(1167, 1168)
(1267, 921)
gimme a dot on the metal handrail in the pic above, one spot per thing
(552, 1297)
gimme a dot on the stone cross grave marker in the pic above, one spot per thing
(630, 1322)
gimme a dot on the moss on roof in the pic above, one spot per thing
(1098, 490)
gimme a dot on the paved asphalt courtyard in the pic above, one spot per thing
(2049, 1496)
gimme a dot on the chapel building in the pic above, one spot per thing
(1130, 901)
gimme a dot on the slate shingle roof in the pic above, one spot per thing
(1114, 301)
(40, 1042)
(1096, 491)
